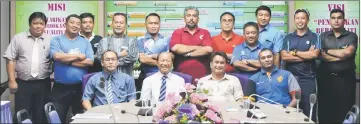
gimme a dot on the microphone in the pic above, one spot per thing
(146, 105)
(123, 112)
(313, 99)
(298, 98)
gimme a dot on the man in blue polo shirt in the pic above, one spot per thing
(299, 52)
(272, 83)
(269, 36)
(72, 56)
(245, 55)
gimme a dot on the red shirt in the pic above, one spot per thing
(221, 44)
(197, 67)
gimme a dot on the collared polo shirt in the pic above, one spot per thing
(244, 51)
(271, 38)
(227, 46)
(301, 43)
(277, 87)
(188, 65)
(330, 41)
(148, 46)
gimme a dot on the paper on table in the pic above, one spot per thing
(92, 116)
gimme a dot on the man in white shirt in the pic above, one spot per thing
(221, 86)
(158, 85)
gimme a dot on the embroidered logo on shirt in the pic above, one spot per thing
(279, 79)
(242, 53)
(201, 37)
(74, 51)
(307, 42)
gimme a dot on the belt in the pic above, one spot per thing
(34, 81)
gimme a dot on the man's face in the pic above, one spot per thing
(218, 65)
(73, 25)
(153, 25)
(263, 18)
(301, 20)
(110, 61)
(119, 24)
(191, 18)
(337, 20)
(165, 63)
(87, 25)
(266, 59)
(227, 23)
(251, 34)
(37, 27)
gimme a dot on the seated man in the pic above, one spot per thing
(272, 83)
(221, 86)
(115, 87)
(158, 85)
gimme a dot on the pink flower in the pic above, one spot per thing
(170, 95)
(203, 97)
(213, 116)
(171, 119)
(174, 98)
(195, 111)
(160, 113)
(194, 98)
(189, 87)
(213, 107)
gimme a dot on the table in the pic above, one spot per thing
(275, 114)
(6, 116)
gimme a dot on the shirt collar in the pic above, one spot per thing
(186, 29)
(225, 77)
(266, 28)
(306, 33)
(245, 45)
(30, 35)
(106, 74)
(233, 35)
(91, 37)
(274, 70)
(344, 32)
(115, 36)
(169, 75)
(148, 36)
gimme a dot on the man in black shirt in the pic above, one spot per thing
(87, 26)
(337, 79)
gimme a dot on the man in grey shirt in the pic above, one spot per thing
(28, 56)
(126, 47)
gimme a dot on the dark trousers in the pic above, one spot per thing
(336, 96)
(65, 96)
(308, 86)
(31, 95)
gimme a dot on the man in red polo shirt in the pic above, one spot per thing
(227, 40)
(191, 46)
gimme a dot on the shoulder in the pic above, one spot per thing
(284, 72)
(216, 37)
(204, 30)
(176, 77)
(178, 30)
(140, 38)
(205, 78)
(98, 36)
(95, 77)
(352, 34)
(231, 77)
(255, 76)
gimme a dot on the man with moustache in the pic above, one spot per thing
(28, 56)
(337, 78)
(227, 40)
(269, 36)
(245, 58)
(126, 47)
(72, 55)
(299, 52)
(191, 46)
(87, 26)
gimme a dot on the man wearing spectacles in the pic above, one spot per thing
(299, 52)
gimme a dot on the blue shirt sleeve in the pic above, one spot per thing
(285, 44)
(168, 41)
(54, 46)
(90, 88)
(140, 45)
(131, 88)
(318, 42)
(236, 53)
(89, 51)
(278, 42)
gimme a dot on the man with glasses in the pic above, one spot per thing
(299, 52)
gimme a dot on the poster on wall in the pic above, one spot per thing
(55, 11)
(320, 17)
(171, 13)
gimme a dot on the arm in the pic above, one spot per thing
(88, 94)
(254, 63)
(131, 89)
(288, 57)
(102, 47)
(146, 90)
(184, 49)
(277, 60)
(147, 60)
(86, 104)
(132, 55)
(10, 55)
(312, 53)
(82, 64)
(293, 86)
(278, 47)
(329, 58)
(243, 66)
(59, 55)
(237, 89)
(342, 53)
(293, 101)
(205, 50)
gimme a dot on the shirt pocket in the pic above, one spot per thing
(120, 91)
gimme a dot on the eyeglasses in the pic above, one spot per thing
(302, 10)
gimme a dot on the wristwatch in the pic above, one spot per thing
(295, 52)
(188, 55)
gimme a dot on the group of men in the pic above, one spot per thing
(277, 66)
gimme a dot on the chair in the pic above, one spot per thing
(350, 118)
(355, 109)
(86, 78)
(187, 78)
(51, 114)
(244, 81)
(20, 118)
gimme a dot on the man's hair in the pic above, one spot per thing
(227, 13)
(152, 14)
(35, 15)
(263, 8)
(171, 54)
(265, 49)
(72, 15)
(253, 24)
(190, 8)
(302, 10)
(219, 53)
(116, 54)
(120, 14)
(336, 11)
(86, 15)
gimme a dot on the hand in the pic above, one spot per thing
(124, 53)
(13, 86)
(292, 53)
(154, 56)
(312, 47)
(81, 57)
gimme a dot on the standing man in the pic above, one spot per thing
(245, 58)
(28, 56)
(126, 47)
(72, 55)
(191, 46)
(299, 52)
(87, 26)
(227, 40)
(337, 81)
(269, 36)
(114, 90)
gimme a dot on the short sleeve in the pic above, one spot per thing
(317, 42)
(90, 88)
(236, 54)
(55, 46)
(278, 42)
(11, 51)
(354, 41)
(292, 83)
(207, 40)
(89, 51)
(140, 45)
(285, 44)
(176, 38)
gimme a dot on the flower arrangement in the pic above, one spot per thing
(188, 107)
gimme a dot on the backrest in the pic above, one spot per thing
(350, 118)
(243, 79)
(85, 79)
(51, 114)
(23, 116)
(187, 78)
(27, 121)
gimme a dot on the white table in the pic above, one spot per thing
(275, 114)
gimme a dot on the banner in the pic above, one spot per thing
(55, 11)
(320, 17)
